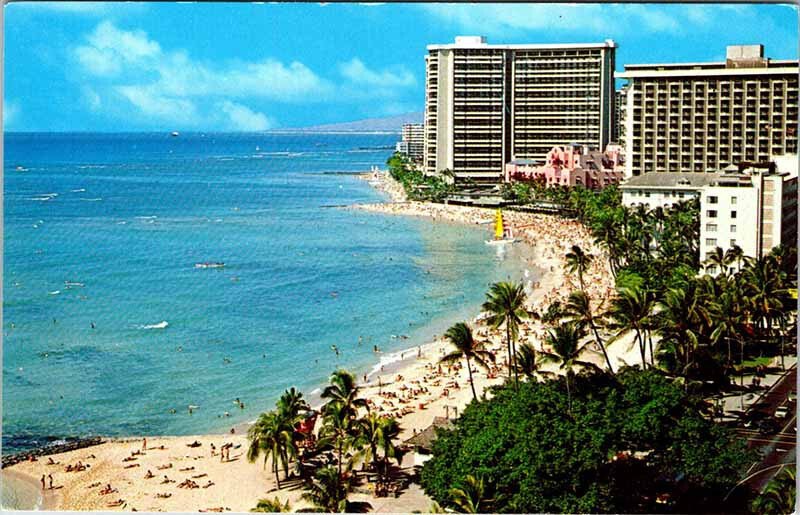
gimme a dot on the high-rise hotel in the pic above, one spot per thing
(703, 117)
(486, 105)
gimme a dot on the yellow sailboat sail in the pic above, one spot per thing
(498, 225)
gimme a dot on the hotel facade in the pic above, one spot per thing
(698, 117)
(486, 105)
(752, 206)
(412, 142)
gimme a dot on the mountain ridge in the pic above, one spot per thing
(384, 124)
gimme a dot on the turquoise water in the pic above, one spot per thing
(105, 230)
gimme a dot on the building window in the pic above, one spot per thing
(733, 201)
(733, 242)
(712, 270)
(711, 242)
(712, 200)
(680, 195)
(647, 194)
(733, 214)
(711, 213)
(733, 228)
(711, 227)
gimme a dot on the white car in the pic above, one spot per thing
(782, 411)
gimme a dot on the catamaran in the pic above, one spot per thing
(502, 233)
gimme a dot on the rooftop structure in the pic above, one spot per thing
(693, 117)
(486, 105)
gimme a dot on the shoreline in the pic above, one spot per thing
(413, 388)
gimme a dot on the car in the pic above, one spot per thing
(752, 419)
(782, 411)
(768, 426)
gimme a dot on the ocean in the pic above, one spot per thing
(110, 329)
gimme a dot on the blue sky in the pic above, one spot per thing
(170, 66)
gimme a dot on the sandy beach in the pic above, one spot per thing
(416, 392)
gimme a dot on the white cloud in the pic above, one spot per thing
(92, 99)
(356, 71)
(243, 119)
(10, 113)
(152, 103)
(591, 19)
(110, 49)
(128, 68)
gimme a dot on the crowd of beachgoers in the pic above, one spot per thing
(211, 473)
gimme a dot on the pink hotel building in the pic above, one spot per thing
(570, 166)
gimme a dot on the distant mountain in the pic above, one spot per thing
(387, 124)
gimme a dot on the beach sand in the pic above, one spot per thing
(415, 393)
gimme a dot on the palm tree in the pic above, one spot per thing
(565, 340)
(578, 262)
(526, 361)
(272, 506)
(343, 392)
(780, 495)
(727, 319)
(379, 433)
(631, 310)
(506, 305)
(328, 491)
(271, 435)
(291, 404)
(472, 496)
(763, 283)
(460, 335)
(337, 431)
(735, 254)
(681, 319)
(715, 260)
(579, 310)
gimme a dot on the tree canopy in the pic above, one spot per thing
(624, 441)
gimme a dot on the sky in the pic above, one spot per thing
(250, 67)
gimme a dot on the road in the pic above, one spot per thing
(775, 449)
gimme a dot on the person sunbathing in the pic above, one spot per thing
(186, 469)
(107, 490)
(149, 474)
(164, 496)
(164, 467)
(210, 483)
(118, 502)
(132, 465)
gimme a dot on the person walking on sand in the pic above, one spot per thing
(50, 478)
(43, 484)
(144, 444)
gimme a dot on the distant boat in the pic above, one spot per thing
(502, 233)
(209, 264)
(175, 134)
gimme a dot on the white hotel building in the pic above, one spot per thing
(486, 105)
(754, 207)
(694, 117)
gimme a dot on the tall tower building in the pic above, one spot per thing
(486, 105)
(620, 99)
(698, 117)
